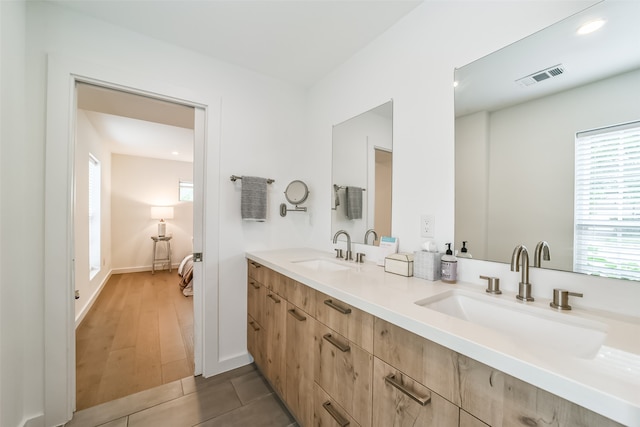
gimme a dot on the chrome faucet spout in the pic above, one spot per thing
(348, 256)
(521, 256)
(366, 236)
(541, 253)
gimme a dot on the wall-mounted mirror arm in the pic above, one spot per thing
(296, 193)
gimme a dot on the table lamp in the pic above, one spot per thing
(162, 213)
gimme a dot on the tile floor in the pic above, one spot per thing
(240, 397)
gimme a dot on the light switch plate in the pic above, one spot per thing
(427, 225)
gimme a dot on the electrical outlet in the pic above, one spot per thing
(427, 226)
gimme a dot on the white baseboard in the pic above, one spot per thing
(34, 422)
(140, 269)
(93, 299)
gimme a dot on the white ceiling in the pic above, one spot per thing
(298, 41)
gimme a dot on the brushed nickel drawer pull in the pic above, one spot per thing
(342, 347)
(342, 421)
(296, 315)
(254, 284)
(333, 305)
(391, 379)
(274, 298)
(253, 325)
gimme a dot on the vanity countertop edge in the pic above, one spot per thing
(392, 298)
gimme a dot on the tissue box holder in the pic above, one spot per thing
(401, 264)
(427, 265)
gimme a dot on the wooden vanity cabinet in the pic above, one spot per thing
(399, 400)
(328, 362)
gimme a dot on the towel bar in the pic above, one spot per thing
(235, 177)
(340, 187)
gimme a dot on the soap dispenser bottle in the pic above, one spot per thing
(464, 252)
(449, 266)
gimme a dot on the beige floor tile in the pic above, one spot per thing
(120, 422)
(189, 410)
(115, 409)
(251, 386)
(193, 384)
(266, 411)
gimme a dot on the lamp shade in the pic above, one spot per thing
(162, 212)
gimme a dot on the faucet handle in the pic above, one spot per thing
(348, 256)
(561, 299)
(338, 253)
(359, 257)
(493, 285)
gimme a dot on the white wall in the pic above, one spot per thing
(88, 141)
(137, 184)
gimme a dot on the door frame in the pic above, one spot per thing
(59, 309)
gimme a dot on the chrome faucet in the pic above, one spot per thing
(542, 253)
(348, 255)
(524, 287)
(366, 236)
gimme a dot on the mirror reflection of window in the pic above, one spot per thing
(607, 202)
(185, 191)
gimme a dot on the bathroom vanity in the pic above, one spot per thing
(347, 344)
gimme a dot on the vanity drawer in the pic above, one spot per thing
(255, 270)
(429, 363)
(398, 400)
(328, 413)
(301, 296)
(351, 322)
(344, 370)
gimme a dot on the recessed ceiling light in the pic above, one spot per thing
(455, 84)
(591, 26)
(175, 153)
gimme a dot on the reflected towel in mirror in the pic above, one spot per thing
(354, 203)
(253, 198)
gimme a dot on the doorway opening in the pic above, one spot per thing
(134, 327)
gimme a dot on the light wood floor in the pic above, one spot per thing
(138, 335)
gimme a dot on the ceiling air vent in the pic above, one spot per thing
(540, 76)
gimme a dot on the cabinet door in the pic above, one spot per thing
(275, 340)
(299, 362)
(400, 401)
(327, 413)
(343, 370)
(302, 296)
(255, 342)
(355, 324)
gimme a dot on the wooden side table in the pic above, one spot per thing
(167, 259)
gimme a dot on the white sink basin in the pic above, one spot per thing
(533, 327)
(322, 265)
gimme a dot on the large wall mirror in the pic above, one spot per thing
(361, 174)
(518, 114)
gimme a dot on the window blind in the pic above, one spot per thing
(607, 202)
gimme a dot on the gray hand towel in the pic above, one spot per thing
(354, 203)
(253, 199)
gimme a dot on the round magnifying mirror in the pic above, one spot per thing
(296, 192)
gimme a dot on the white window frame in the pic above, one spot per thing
(185, 191)
(607, 202)
(94, 216)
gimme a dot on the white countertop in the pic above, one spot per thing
(599, 384)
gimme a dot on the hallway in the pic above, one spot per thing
(138, 335)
